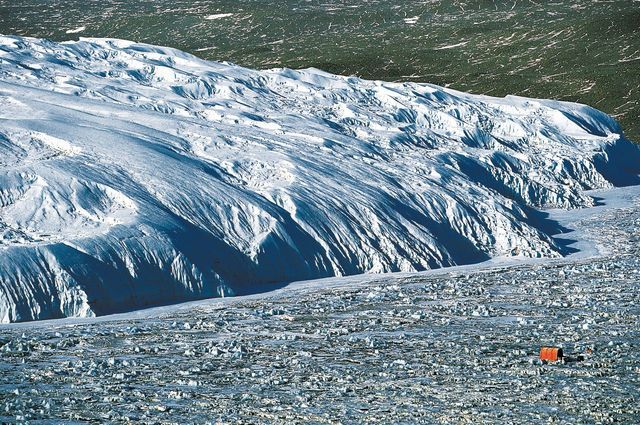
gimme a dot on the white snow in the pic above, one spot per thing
(218, 16)
(412, 20)
(133, 175)
(451, 46)
(76, 30)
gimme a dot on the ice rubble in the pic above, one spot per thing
(135, 175)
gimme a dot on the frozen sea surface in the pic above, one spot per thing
(448, 346)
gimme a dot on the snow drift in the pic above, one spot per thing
(133, 175)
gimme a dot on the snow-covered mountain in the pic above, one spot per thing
(134, 175)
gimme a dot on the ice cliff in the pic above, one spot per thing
(133, 175)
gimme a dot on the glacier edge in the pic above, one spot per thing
(134, 175)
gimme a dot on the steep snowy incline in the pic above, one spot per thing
(134, 175)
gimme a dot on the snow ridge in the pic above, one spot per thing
(133, 175)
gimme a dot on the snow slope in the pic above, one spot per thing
(133, 175)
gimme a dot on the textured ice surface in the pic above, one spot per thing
(134, 175)
(449, 346)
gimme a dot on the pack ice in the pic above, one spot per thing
(133, 175)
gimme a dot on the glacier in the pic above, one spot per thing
(134, 175)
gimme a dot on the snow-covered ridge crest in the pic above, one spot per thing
(133, 175)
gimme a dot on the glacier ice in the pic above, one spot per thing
(133, 175)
